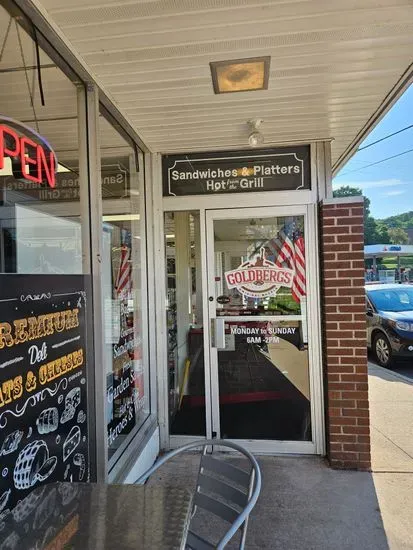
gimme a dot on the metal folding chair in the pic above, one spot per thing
(222, 489)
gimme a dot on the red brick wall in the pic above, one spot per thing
(344, 333)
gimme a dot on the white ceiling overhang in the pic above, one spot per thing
(336, 66)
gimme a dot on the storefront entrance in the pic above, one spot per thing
(242, 320)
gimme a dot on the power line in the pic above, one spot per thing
(378, 162)
(385, 137)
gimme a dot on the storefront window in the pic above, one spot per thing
(41, 224)
(46, 345)
(127, 397)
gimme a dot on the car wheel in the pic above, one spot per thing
(382, 350)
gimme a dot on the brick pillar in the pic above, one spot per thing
(344, 333)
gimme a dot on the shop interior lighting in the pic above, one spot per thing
(170, 236)
(240, 75)
(121, 217)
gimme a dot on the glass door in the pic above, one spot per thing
(188, 400)
(258, 315)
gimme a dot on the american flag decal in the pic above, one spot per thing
(288, 249)
(123, 282)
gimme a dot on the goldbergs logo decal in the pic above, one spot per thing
(259, 278)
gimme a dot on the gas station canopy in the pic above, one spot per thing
(388, 250)
(335, 67)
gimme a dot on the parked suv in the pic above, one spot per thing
(390, 321)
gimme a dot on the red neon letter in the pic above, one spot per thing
(4, 150)
(28, 160)
(46, 171)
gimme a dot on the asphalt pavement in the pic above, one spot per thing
(404, 368)
(400, 366)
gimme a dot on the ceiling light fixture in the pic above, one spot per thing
(256, 138)
(240, 75)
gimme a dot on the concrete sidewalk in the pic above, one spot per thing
(391, 406)
(391, 419)
(304, 504)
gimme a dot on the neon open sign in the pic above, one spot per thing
(32, 158)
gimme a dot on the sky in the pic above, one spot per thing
(388, 185)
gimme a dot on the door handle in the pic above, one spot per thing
(218, 333)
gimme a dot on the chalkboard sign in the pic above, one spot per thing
(43, 385)
(286, 168)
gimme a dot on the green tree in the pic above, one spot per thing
(397, 235)
(347, 191)
(404, 220)
(383, 232)
(371, 235)
(371, 232)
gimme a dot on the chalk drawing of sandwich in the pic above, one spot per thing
(71, 442)
(11, 442)
(48, 421)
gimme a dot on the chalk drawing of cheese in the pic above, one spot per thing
(72, 401)
(33, 465)
(71, 442)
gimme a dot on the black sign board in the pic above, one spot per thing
(286, 168)
(43, 383)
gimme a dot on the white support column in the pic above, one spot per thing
(159, 292)
(323, 170)
(328, 170)
(83, 177)
(96, 264)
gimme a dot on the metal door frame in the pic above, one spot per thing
(316, 446)
(306, 200)
(168, 440)
(207, 216)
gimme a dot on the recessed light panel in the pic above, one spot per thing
(240, 75)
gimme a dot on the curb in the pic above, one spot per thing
(394, 374)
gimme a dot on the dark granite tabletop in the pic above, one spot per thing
(90, 516)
